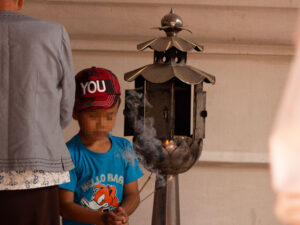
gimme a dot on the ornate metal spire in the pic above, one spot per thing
(170, 56)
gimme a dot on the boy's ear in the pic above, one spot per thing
(20, 4)
(119, 103)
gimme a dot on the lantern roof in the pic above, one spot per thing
(160, 73)
(165, 43)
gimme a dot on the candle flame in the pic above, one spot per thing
(166, 142)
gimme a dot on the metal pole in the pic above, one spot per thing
(166, 202)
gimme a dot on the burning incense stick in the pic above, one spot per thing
(137, 197)
(147, 196)
(144, 185)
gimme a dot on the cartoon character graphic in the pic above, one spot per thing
(103, 198)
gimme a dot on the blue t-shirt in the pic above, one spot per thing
(98, 178)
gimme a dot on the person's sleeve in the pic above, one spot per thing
(67, 81)
(133, 169)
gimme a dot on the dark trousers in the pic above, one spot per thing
(38, 206)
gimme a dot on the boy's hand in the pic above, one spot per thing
(118, 217)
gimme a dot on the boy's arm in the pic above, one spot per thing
(73, 211)
(130, 202)
(131, 197)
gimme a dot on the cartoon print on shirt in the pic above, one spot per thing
(104, 198)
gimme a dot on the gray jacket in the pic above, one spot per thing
(37, 90)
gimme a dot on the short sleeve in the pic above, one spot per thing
(71, 186)
(133, 169)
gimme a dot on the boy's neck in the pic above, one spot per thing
(102, 145)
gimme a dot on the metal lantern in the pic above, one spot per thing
(165, 114)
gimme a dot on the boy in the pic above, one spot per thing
(103, 187)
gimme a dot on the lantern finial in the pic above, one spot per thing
(171, 23)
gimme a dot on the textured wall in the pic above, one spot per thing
(248, 47)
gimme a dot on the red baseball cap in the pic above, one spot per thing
(96, 88)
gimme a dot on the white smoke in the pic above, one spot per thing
(146, 145)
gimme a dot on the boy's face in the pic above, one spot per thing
(96, 124)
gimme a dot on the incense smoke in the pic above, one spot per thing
(146, 145)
